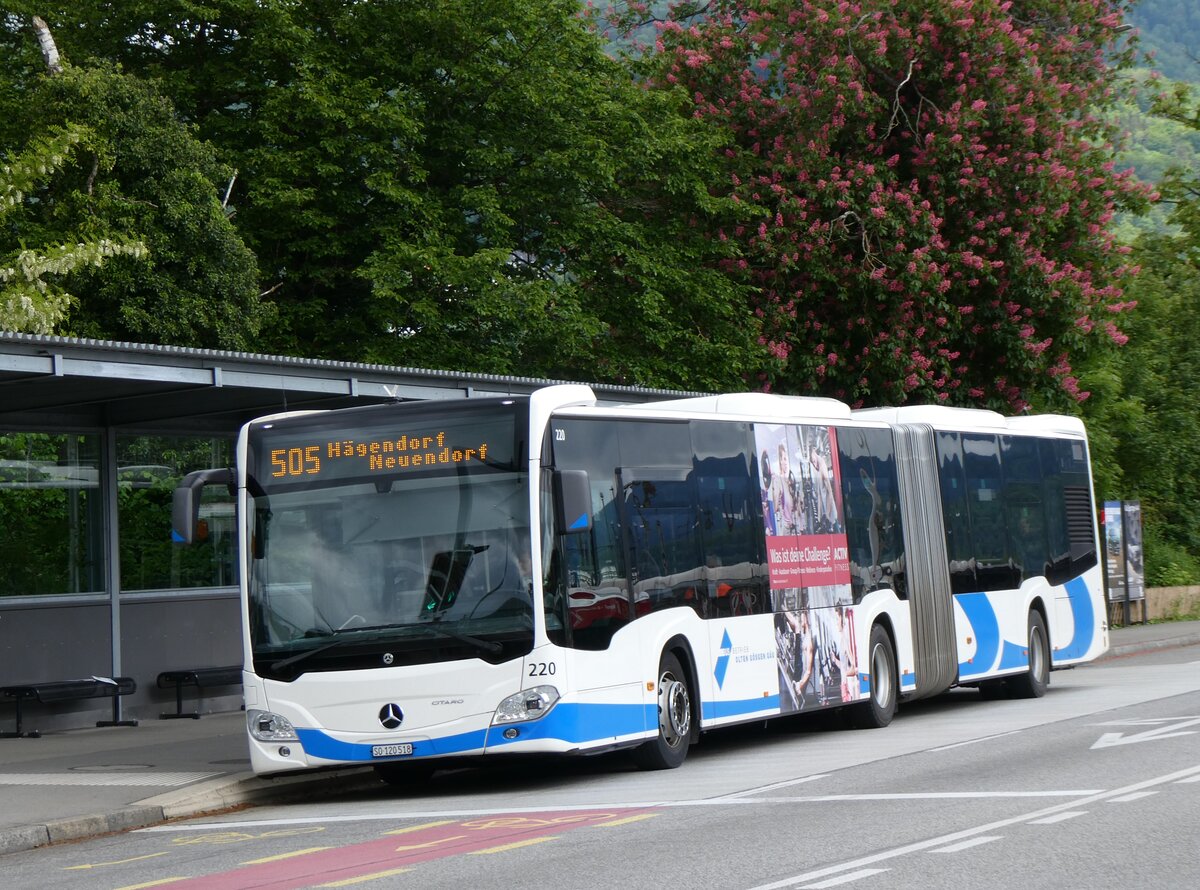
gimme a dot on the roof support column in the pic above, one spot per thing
(112, 560)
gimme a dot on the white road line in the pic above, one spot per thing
(1189, 780)
(931, 843)
(934, 795)
(845, 879)
(967, 844)
(788, 784)
(1135, 796)
(728, 800)
(1058, 817)
(986, 738)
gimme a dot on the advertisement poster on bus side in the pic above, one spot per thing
(809, 566)
(801, 491)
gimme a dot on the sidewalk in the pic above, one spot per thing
(82, 783)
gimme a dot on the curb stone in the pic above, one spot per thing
(211, 796)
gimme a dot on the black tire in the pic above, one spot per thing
(405, 775)
(669, 748)
(880, 707)
(1033, 683)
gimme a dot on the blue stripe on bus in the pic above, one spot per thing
(1084, 614)
(317, 743)
(714, 710)
(573, 723)
(1013, 656)
(988, 643)
(579, 724)
(983, 623)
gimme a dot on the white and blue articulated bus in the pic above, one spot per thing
(429, 581)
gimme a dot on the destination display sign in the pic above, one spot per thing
(306, 453)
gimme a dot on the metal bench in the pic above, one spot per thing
(201, 678)
(53, 691)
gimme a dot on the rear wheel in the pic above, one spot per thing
(669, 748)
(1033, 683)
(880, 707)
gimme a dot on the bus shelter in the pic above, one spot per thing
(94, 436)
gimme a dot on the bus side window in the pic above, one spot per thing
(592, 568)
(959, 546)
(1070, 516)
(995, 568)
(873, 530)
(1023, 504)
(735, 574)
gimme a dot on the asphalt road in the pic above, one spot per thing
(1096, 785)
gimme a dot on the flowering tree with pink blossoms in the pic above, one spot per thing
(930, 186)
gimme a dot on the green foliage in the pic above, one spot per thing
(1168, 563)
(467, 184)
(30, 297)
(142, 172)
(1154, 148)
(1145, 430)
(1144, 427)
(1170, 30)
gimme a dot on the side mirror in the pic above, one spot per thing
(185, 502)
(573, 501)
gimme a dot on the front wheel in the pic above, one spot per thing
(880, 707)
(669, 748)
(1033, 683)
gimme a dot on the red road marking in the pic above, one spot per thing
(401, 850)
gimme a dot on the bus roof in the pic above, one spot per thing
(753, 404)
(966, 419)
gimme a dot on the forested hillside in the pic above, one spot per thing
(1171, 29)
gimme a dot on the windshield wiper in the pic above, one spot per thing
(489, 646)
(341, 640)
(307, 653)
(344, 636)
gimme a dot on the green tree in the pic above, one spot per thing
(141, 175)
(32, 297)
(1142, 414)
(468, 184)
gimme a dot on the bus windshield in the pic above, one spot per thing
(400, 536)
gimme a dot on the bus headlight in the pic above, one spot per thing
(268, 727)
(528, 704)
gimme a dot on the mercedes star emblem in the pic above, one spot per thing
(391, 716)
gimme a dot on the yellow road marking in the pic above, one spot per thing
(290, 855)
(514, 846)
(157, 883)
(525, 821)
(421, 827)
(114, 862)
(236, 837)
(222, 837)
(404, 848)
(626, 820)
(363, 878)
